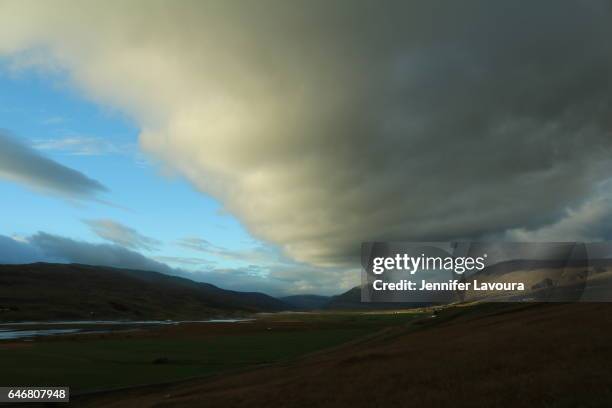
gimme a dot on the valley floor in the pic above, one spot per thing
(493, 355)
(118, 356)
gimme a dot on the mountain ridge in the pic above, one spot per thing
(50, 291)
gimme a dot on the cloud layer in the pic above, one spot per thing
(80, 146)
(590, 222)
(22, 164)
(123, 235)
(257, 255)
(321, 125)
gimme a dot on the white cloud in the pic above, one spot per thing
(80, 146)
(54, 120)
(123, 235)
(258, 254)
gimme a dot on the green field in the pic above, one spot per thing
(86, 363)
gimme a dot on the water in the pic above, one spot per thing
(225, 321)
(123, 322)
(8, 334)
(14, 331)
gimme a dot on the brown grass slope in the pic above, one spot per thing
(554, 355)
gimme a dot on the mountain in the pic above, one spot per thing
(351, 300)
(564, 280)
(44, 291)
(306, 302)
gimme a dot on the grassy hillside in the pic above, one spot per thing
(58, 291)
(490, 355)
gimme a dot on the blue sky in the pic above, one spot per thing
(148, 216)
(40, 109)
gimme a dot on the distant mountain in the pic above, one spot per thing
(351, 300)
(306, 302)
(44, 291)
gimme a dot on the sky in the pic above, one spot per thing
(127, 199)
(255, 145)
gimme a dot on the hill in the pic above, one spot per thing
(489, 355)
(43, 291)
(306, 302)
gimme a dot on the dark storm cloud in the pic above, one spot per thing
(22, 164)
(324, 124)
